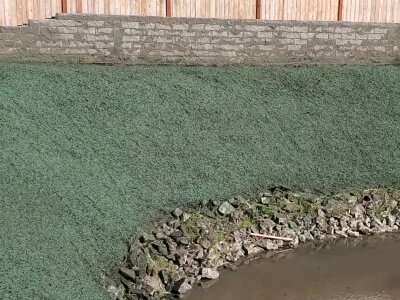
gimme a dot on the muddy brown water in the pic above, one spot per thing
(358, 269)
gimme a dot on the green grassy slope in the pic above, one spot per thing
(89, 153)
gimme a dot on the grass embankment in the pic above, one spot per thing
(89, 153)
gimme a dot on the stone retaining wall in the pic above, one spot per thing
(155, 40)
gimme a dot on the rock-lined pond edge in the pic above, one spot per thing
(190, 246)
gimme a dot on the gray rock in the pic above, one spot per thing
(154, 284)
(266, 200)
(364, 229)
(341, 233)
(358, 211)
(129, 273)
(141, 285)
(204, 243)
(267, 225)
(164, 276)
(318, 235)
(166, 229)
(177, 212)
(183, 240)
(281, 220)
(181, 257)
(185, 217)
(230, 267)
(160, 235)
(335, 208)
(127, 283)
(140, 262)
(321, 220)
(226, 208)
(344, 222)
(235, 202)
(391, 220)
(302, 238)
(252, 249)
(295, 242)
(176, 234)
(215, 202)
(330, 230)
(174, 224)
(161, 248)
(189, 270)
(354, 224)
(254, 229)
(308, 236)
(209, 273)
(199, 254)
(267, 245)
(352, 200)
(147, 238)
(208, 213)
(376, 223)
(171, 245)
(353, 233)
(292, 225)
(235, 255)
(182, 287)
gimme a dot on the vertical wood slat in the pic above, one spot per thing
(79, 6)
(2, 15)
(17, 12)
(168, 8)
(19, 17)
(396, 15)
(64, 8)
(340, 10)
(258, 9)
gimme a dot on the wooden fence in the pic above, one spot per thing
(18, 12)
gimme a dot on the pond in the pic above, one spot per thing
(351, 269)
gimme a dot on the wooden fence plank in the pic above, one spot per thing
(319, 9)
(2, 14)
(377, 10)
(393, 20)
(79, 6)
(6, 13)
(298, 10)
(389, 9)
(24, 12)
(229, 10)
(396, 16)
(355, 10)
(346, 10)
(48, 9)
(14, 12)
(364, 10)
(53, 7)
(332, 14)
(333, 10)
(17, 12)
(380, 6)
(18, 9)
(107, 7)
(96, 6)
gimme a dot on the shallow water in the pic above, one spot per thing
(364, 269)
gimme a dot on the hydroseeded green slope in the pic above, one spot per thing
(89, 154)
